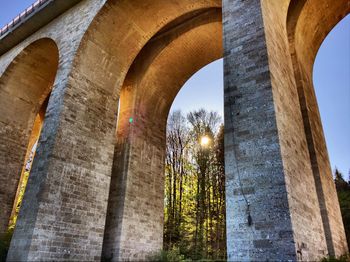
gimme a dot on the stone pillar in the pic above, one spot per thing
(22, 94)
(64, 209)
(306, 33)
(324, 181)
(134, 225)
(272, 207)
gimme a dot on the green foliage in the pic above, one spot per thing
(5, 240)
(172, 255)
(22, 188)
(195, 186)
(339, 181)
(343, 258)
(343, 190)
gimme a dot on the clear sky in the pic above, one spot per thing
(331, 80)
(332, 86)
(11, 8)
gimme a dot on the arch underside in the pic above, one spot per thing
(157, 74)
(305, 25)
(24, 86)
(119, 33)
(140, 53)
(306, 38)
(153, 59)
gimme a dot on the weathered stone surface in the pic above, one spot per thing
(303, 147)
(252, 144)
(140, 53)
(19, 108)
(48, 210)
(137, 188)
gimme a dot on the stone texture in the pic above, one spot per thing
(252, 144)
(137, 189)
(305, 52)
(140, 53)
(46, 211)
(19, 109)
(298, 147)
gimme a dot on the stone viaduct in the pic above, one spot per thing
(79, 69)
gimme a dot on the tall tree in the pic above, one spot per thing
(343, 190)
(203, 127)
(195, 185)
(177, 141)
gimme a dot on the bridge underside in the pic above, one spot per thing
(96, 186)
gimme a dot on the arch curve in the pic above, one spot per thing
(119, 32)
(308, 24)
(155, 76)
(167, 62)
(24, 88)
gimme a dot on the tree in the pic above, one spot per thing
(177, 140)
(195, 186)
(219, 213)
(343, 190)
(203, 123)
(339, 181)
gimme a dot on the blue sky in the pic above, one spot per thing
(11, 8)
(331, 80)
(332, 87)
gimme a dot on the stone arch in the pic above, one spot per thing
(308, 24)
(170, 58)
(135, 22)
(80, 138)
(166, 62)
(87, 108)
(24, 89)
(138, 24)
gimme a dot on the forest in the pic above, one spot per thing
(194, 226)
(194, 198)
(343, 190)
(195, 186)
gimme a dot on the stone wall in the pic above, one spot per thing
(255, 171)
(53, 204)
(309, 237)
(147, 50)
(308, 36)
(137, 189)
(19, 109)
